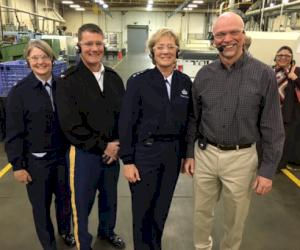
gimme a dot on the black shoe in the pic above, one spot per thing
(69, 239)
(293, 168)
(115, 240)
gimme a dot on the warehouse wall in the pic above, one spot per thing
(189, 23)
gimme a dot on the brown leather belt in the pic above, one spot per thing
(229, 147)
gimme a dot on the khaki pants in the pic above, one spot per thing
(229, 174)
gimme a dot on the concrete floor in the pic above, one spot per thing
(273, 222)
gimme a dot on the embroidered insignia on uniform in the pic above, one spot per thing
(184, 92)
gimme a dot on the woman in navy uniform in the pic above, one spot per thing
(152, 127)
(36, 147)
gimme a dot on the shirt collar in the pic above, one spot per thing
(169, 78)
(238, 64)
(49, 81)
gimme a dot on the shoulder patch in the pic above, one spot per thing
(69, 71)
(140, 72)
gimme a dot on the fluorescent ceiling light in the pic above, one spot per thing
(285, 1)
(75, 6)
(272, 4)
(67, 2)
(198, 1)
(80, 9)
(105, 6)
(187, 9)
(192, 5)
(150, 1)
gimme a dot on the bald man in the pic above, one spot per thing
(235, 104)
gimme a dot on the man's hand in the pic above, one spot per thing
(189, 166)
(111, 152)
(22, 176)
(131, 173)
(262, 185)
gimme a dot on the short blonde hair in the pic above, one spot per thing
(40, 44)
(158, 35)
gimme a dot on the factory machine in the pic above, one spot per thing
(194, 55)
(265, 44)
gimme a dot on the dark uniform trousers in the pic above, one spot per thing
(155, 190)
(49, 176)
(90, 175)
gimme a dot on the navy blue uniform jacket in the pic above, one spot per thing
(88, 116)
(147, 111)
(31, 124)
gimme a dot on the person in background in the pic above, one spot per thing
(36, 146)
(89, 101)
(152, 128)
(288, 80)
(235, 104)
(247, 43)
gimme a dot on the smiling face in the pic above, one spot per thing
(229, 34)
(164, 52)
(40, 63)
(283, 58)
(92, 49)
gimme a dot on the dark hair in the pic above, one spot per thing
(89, 27)
(285, 48)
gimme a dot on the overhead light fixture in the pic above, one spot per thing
(150, 1)
(67, 2)
(187, 9)
(105, 6)
(272, 4)
(80, 9)
(285, 1)
(198, 2)
(192, 5)
(75, 6)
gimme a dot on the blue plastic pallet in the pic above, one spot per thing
(14, 71)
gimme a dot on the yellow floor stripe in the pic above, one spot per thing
(72, 187)
(292, 177)
(4, 170)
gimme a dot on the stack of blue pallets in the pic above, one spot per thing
(14, 71)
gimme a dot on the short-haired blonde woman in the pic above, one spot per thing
(152, 128)
(35, 145)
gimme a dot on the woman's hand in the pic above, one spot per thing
(292, 74)
(22, 176)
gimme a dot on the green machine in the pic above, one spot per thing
(54, 44)
(11, 52)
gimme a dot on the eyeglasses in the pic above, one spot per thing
(37, 58)
(91, 44)
(222, 35)
(168, 47)
(283, 56)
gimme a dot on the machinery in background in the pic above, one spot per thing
(264, 45)
(13, 44)
(194, 55)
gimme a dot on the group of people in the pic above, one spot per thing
(161, 125)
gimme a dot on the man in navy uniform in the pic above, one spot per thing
(89, 101)
(152, 129)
